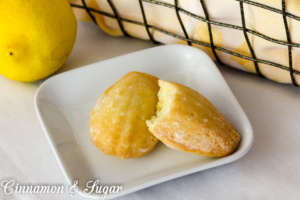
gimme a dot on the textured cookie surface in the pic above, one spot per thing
(118, 120)
(187, 121)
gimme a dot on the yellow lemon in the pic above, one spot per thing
(36, 37)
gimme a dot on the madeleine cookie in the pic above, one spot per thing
(185, 120)
(118, 120)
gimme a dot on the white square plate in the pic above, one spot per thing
(65, 101)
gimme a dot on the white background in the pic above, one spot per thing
(271, 169)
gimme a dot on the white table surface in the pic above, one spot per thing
(270, 170)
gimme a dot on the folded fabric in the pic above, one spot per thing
(255, 36)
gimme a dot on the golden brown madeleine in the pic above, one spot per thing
(118, 120)
(185, 120)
